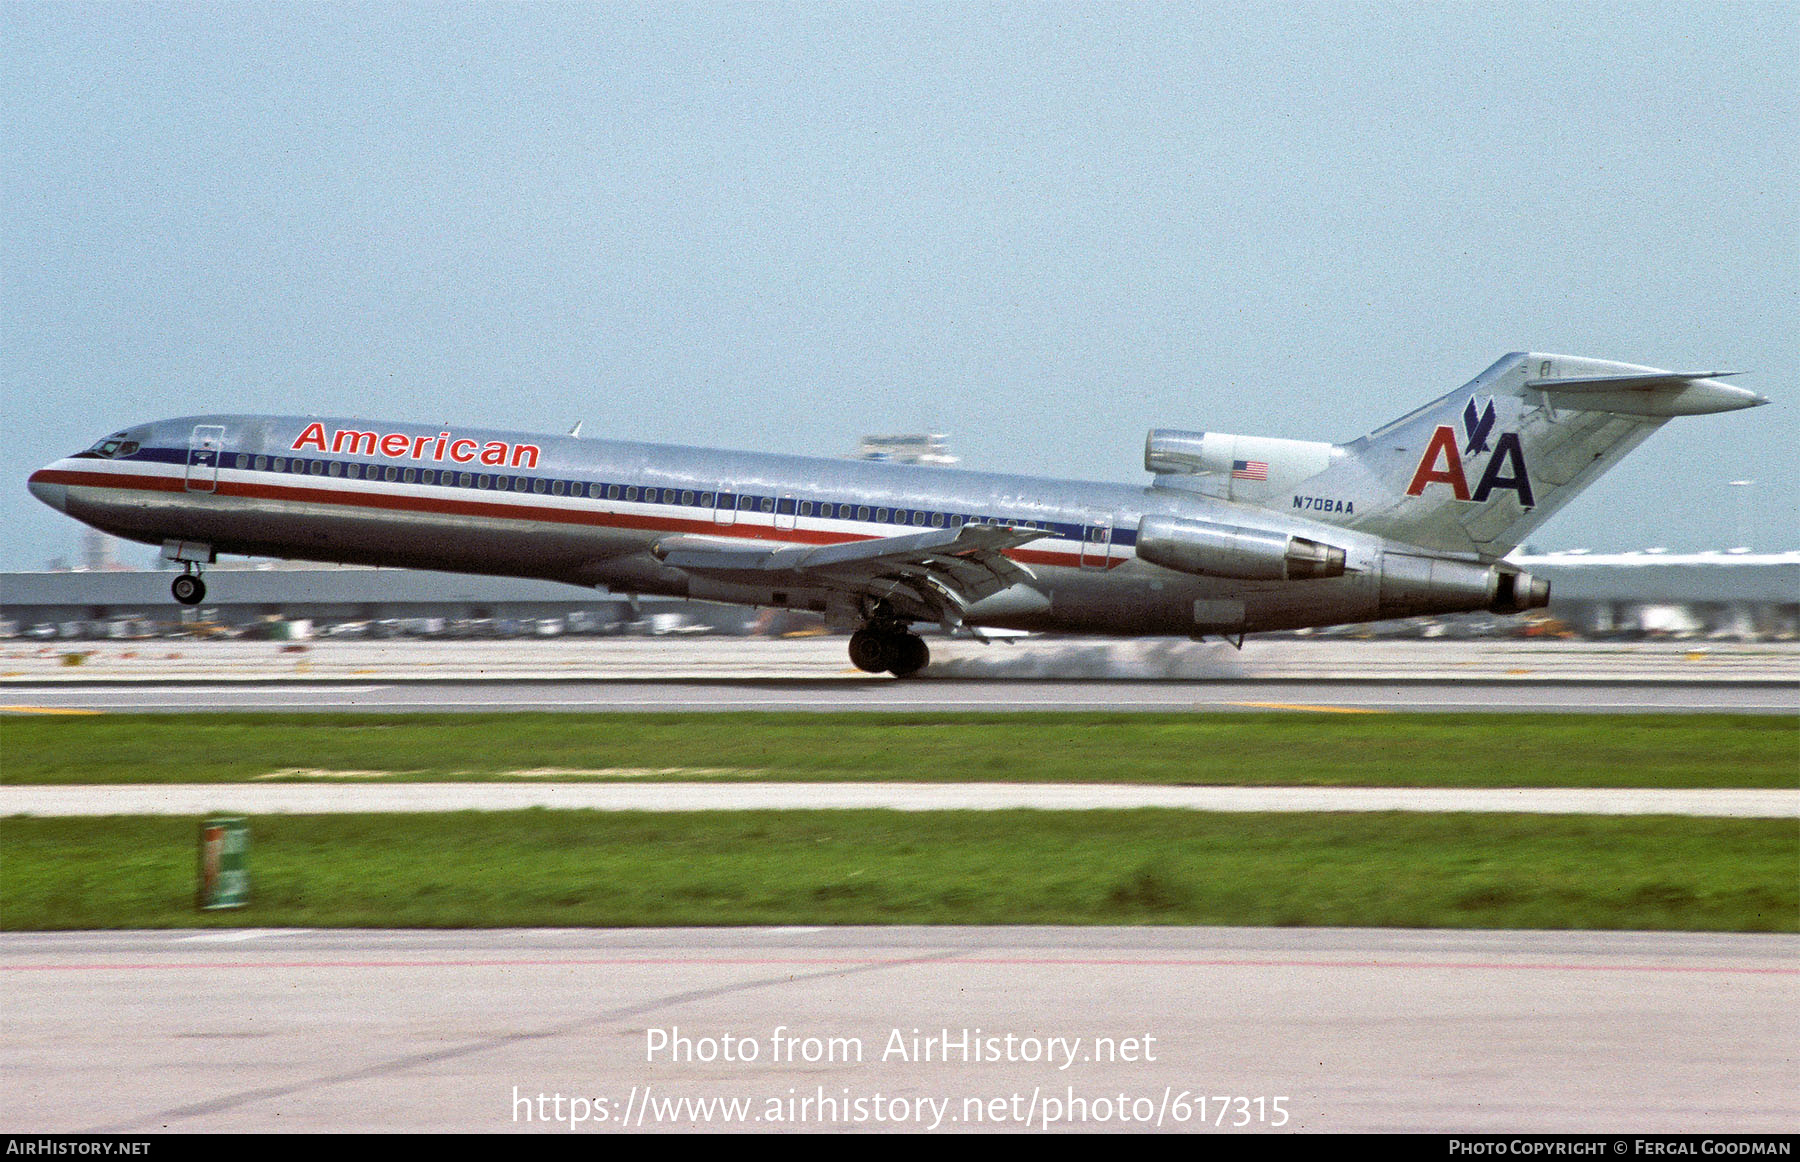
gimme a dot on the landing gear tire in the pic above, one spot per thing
(188, 589)
(895, 652)
(908, 656)
(869, 651)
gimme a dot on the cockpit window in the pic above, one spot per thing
(114, 445)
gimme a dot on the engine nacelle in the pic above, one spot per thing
(1413, 585)
(1246, 458)
(1215, 550)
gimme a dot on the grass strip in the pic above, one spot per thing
(579, 868)
(1275, 749)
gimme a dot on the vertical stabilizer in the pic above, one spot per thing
(1478, 470)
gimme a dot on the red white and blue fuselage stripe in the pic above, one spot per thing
(442, 473)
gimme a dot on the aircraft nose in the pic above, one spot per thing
(54, 495)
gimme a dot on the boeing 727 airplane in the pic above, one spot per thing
(1233, 534)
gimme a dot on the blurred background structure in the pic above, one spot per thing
(1732, 595)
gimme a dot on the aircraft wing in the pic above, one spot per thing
(933, 575)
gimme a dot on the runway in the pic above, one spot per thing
(806, 674)
(911, 1029)
(884, 695)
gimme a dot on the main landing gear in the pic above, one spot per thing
(188, 588)
(888, 647)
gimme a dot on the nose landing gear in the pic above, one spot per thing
(188, 588)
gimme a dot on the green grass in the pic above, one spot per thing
(540, 867)
(875, 867)
(1448, 750)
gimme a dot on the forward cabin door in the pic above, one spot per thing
(1096, 541)
(203, 458)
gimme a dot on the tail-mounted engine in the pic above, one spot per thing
(1416, 584)
(1232, 467)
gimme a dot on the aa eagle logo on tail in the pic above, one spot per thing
(1443, 464)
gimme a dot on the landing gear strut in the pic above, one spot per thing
(188, 588)
(888, 647)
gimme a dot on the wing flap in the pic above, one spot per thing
(943, 570)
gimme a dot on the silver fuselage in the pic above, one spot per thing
(588, 512)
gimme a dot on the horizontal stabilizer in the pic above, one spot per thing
(1660, 381)
(1647, 392)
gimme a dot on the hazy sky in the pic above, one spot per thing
(1041, 228)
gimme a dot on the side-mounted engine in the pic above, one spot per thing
(1219, 550)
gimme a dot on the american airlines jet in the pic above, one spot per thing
(1232, 535)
